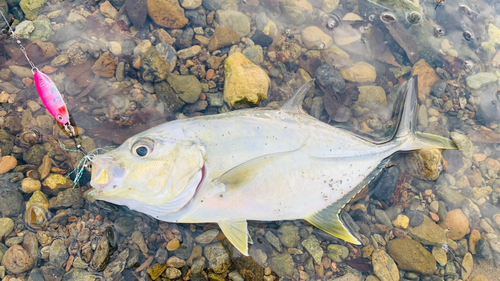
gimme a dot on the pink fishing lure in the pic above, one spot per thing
(51, 97)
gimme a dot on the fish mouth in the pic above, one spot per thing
(106, 174)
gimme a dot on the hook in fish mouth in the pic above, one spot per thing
(105, 174)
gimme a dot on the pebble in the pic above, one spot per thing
(173, 245)
(289, 235)
(190, 4)
(7, 163)
(360, 72)
(463, 143)
(223, 36)
(315, 39)
(384, 266)
(17, 260)
(428, 233)
(29, 185)
(337, 253)
(254, 54)
(371, 97)
(115, 267)
(189, 52)
(427, 78)
(237, 21)
(282, 264)
(167, 14)
(273, 240)
(406, 251)
(477, 81)
(218, 257)
(467, 265)
(207, 236)
(6, 227)
(440, 255)
(312, 246)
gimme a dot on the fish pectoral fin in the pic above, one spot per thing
(236, 232)
(248, 170)
(328, 220)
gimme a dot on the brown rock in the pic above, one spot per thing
(223, 36)
(167, 13)
(475, 178)
(425, 164)
(473, 239)
(105, 66)
(7, 163)
(173, 245)
(456, 224)
(427, 76)
(282, 57)
(492, 164)
(44, 169)
(17, 260)
(210, 74)
(411, 255)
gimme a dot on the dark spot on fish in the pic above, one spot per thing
(414, 17)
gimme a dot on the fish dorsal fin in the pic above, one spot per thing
(247, 171)
(236, 232)
(294, 104)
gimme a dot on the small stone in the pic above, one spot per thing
(384, 266)
(108, 10)
(115, 48)
(20, 71)
(176, 262)
(190, 4)
(401, 221)
(6, 227)
(154, 68)
(428, 233)
(218, 257)
(60, 60)
(315, 39)
(189, 52)
(425, 164)
(173, 245)
(427, 77)
(7, 163)
(456, 224)
(371, 97)
(337, 253)
(283, 264)
(463, 143)
(360, 72)
(58, 252)
(273, 240)
(223, 36)
(187, 87)
(173, 273)
(167, 13)
(207, 236)
(289, 235)
(17, 260)
(56, 182)
(476, 81)
(406, 251)
(29, 185)
(312, 246)
(237, 21)
(105, 66)
(254, 54)
(440, 255)
(467, 264)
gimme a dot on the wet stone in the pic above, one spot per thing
(175, 262)
(207, 236)
(161, 255)
(384, 266)
(11, 202)
(6, 227)
(17, 260)
(14, 241)
(218, 257)
(101, 255)
(406, 251)
(138, 239)
(312, 246)
(428, 233)
(337, 252)
(328, 75)
(283, 264)
(197, 19)
(76, 274)
(58, 252)
(67, 198)
(416, 217)
(52, 272)
(173, 273)
(273, 240)
(382, 217)
(115, 267)
(289, 235)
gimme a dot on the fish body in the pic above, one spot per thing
(249, 165)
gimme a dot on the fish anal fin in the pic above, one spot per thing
(248, 170)
(328, 220)
(236, 232)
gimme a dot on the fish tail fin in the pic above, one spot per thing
(408, 121)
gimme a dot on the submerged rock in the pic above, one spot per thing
(245, 83)
(411, 255)
(17, 260)
(167, 13)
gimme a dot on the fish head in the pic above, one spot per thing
(153, 173)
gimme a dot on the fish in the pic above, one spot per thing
(254, 164)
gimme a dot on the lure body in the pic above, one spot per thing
(51, 97)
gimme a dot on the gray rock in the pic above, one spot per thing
(382, 218)
(237, 21)
(288, 234)
(115, 267)
(254, 53)
(261, 21)
(196, 18)
(101, 255)
(186, 38)
(428, 233)
(161, 255)
(462, 248)
(6, 227)
(167, 53)
(58, 252)
(167, 95)
(36, 275)
(439, 88)
(328, 75)
(317, 107)
(481, 79)
(66, 198)
(34, 155)
(51, 272)
(3, 249)
(120, 71)
(215, 99)
(187, 87)
(218, 257)
(207, 236)
(212, 5)
(198, 265)
(283, 264)
(16, 240)
(312, 246)
(11, 202)
(76, 274)
(42, 30)
(125, 225)
(347, 277)
(273, 240)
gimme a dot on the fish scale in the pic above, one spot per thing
(257, 164)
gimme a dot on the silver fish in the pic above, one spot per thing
(257, 164)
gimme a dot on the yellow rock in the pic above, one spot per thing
(352, 17)
(401, 221)
(371, 97)
(315, 39)
(445, 45)
(360, 72)
(57, 181)
(270, 29)
(39, 199)
(29, 185)
(157, 270)
(334, 49)
(245, 82)
(494, 34)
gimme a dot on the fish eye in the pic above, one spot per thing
(143, 148)
(468, 35)
(387, 17)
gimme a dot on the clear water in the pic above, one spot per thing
(364, 50)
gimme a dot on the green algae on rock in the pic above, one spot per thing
(245, 82)
(154, 68)
(31, 8)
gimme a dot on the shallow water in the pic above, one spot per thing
(121, 69)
